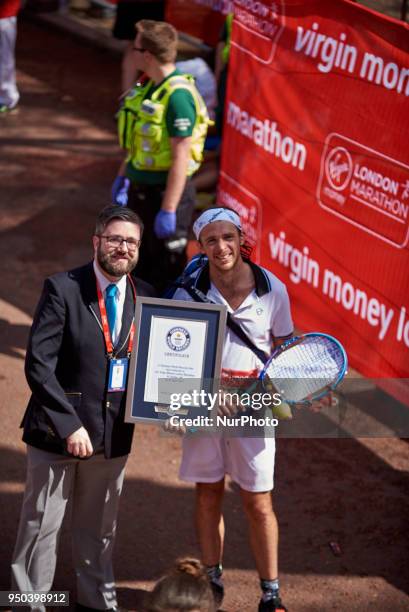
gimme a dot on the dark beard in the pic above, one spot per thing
(116, 269)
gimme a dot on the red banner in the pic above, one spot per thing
(200, 18)
(316, 157)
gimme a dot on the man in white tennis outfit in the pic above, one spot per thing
(258, 301)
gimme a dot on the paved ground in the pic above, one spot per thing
(57, 160)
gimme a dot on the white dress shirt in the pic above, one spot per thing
(103, 283)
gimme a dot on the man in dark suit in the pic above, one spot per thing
(77, 441)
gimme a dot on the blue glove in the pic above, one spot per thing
(119, 191)
(165, 224)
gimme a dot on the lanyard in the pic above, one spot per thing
(105, 327)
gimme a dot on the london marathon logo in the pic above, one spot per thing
(261, 23)
(365, 188)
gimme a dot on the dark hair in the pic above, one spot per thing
(184, 588)
(246, 248)
(159, 38)
(120, 213)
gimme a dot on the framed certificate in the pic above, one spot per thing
(176, 358)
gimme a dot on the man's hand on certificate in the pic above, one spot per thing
(174, 426)
(79, 443)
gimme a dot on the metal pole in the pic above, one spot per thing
(404, 10)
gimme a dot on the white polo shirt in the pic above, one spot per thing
(264, 315)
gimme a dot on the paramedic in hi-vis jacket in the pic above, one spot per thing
(162, 124)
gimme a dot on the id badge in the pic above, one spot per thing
(118, 369)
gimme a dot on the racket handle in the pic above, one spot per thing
(269, 386)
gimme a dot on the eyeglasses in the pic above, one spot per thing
(116, 241)
(139, 49)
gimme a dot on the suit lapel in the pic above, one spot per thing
(89, 291)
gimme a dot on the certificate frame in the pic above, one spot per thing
(148, 314)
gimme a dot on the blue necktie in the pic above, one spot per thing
(110, 304)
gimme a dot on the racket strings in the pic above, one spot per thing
(307, 368)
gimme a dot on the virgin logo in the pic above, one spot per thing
(338, 168)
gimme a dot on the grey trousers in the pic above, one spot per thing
(9, 94)
(94, 485)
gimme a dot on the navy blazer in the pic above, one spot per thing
(67, 366)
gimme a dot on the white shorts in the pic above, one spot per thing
(249, 461)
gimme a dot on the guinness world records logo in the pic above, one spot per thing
(178, 339)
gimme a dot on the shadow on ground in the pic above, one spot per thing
(327, 491)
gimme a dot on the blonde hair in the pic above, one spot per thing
(183, 589)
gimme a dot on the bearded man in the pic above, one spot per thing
(77, 441)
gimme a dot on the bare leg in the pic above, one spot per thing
(209, 521)
(263, 529)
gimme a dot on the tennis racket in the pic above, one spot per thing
(305, 368)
